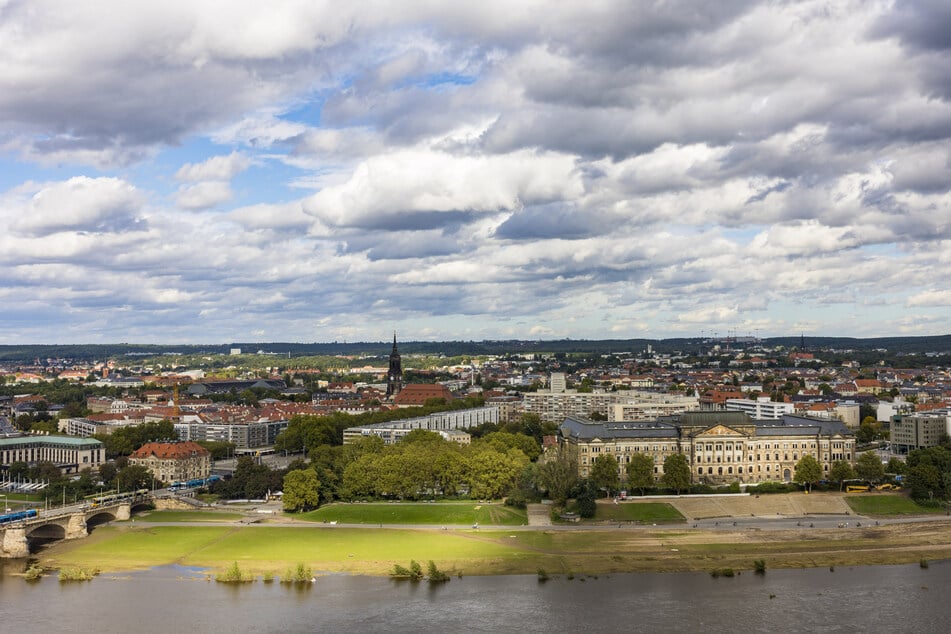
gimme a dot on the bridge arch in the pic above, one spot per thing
(99, 518)
(46, 532)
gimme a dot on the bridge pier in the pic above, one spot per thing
(15, 545)
(124, 511)
(76, 527)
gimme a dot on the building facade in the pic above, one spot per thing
(554, 407)
(447, 424)
(918, 431)
(761, 408)
(721, 447)
(173, 461)
(70, 455)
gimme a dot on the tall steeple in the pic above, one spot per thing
(394, 377)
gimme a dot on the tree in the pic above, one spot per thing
(604, 473)
(869, 467)
(586, 504)
(808, 471)
(841, 471)
(640, 472)
(492, 474)
(868, 431)
(301, 490)
(924, 480)
(896, 466)
(676, 472)
(557, 472)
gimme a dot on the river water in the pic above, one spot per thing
(173, 599)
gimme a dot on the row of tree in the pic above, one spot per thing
(422, 464)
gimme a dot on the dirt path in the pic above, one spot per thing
(539, 515)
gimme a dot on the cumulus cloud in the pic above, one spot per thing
(217, 168)
(474, 170)
(203, 195)
(96, 205)
(426, 183)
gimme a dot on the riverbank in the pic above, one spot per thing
(272, 549)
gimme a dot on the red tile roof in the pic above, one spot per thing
(170, 450)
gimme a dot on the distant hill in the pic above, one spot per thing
(27, 354)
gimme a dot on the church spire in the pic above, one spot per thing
(394, 376)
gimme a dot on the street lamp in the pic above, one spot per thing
(6, 509)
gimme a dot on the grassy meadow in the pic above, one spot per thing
(642, 512)
(264, 550)
(442, 514)
(190, 516)
(888, 504)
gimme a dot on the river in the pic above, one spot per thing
(905, 598)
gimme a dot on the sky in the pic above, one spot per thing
(219, 171)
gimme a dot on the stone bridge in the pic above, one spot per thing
(70, 522)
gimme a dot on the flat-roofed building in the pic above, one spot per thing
(761, 408)
(444, 423)
(919, 431)
(69, 454)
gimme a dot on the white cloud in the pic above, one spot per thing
(217, 168)
(203, 195)
(528, 168)
(79, 204)
(427, 181)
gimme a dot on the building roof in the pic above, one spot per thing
(60, 441)
(419, 393)
(170, 450)
(672, 426)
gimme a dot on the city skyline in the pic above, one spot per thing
(230, 171)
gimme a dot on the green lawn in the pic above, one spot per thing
(274, 549)
(21, 497)
(190, 516)
(644, 512)
(448, 514)
(866, 504)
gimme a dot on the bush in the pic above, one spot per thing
(722, 572)
(413, 573)
(233, 574)
(77, 574)
(33, 573)
(542, 575)
(773, 487)
(300, 574)
(759, 566)
(434, 574)
(517, 500)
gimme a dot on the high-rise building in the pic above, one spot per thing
(394, 376)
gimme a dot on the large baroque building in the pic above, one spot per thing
(721, 447)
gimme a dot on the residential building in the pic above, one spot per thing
(440, 422)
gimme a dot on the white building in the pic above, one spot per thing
(760, 409)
